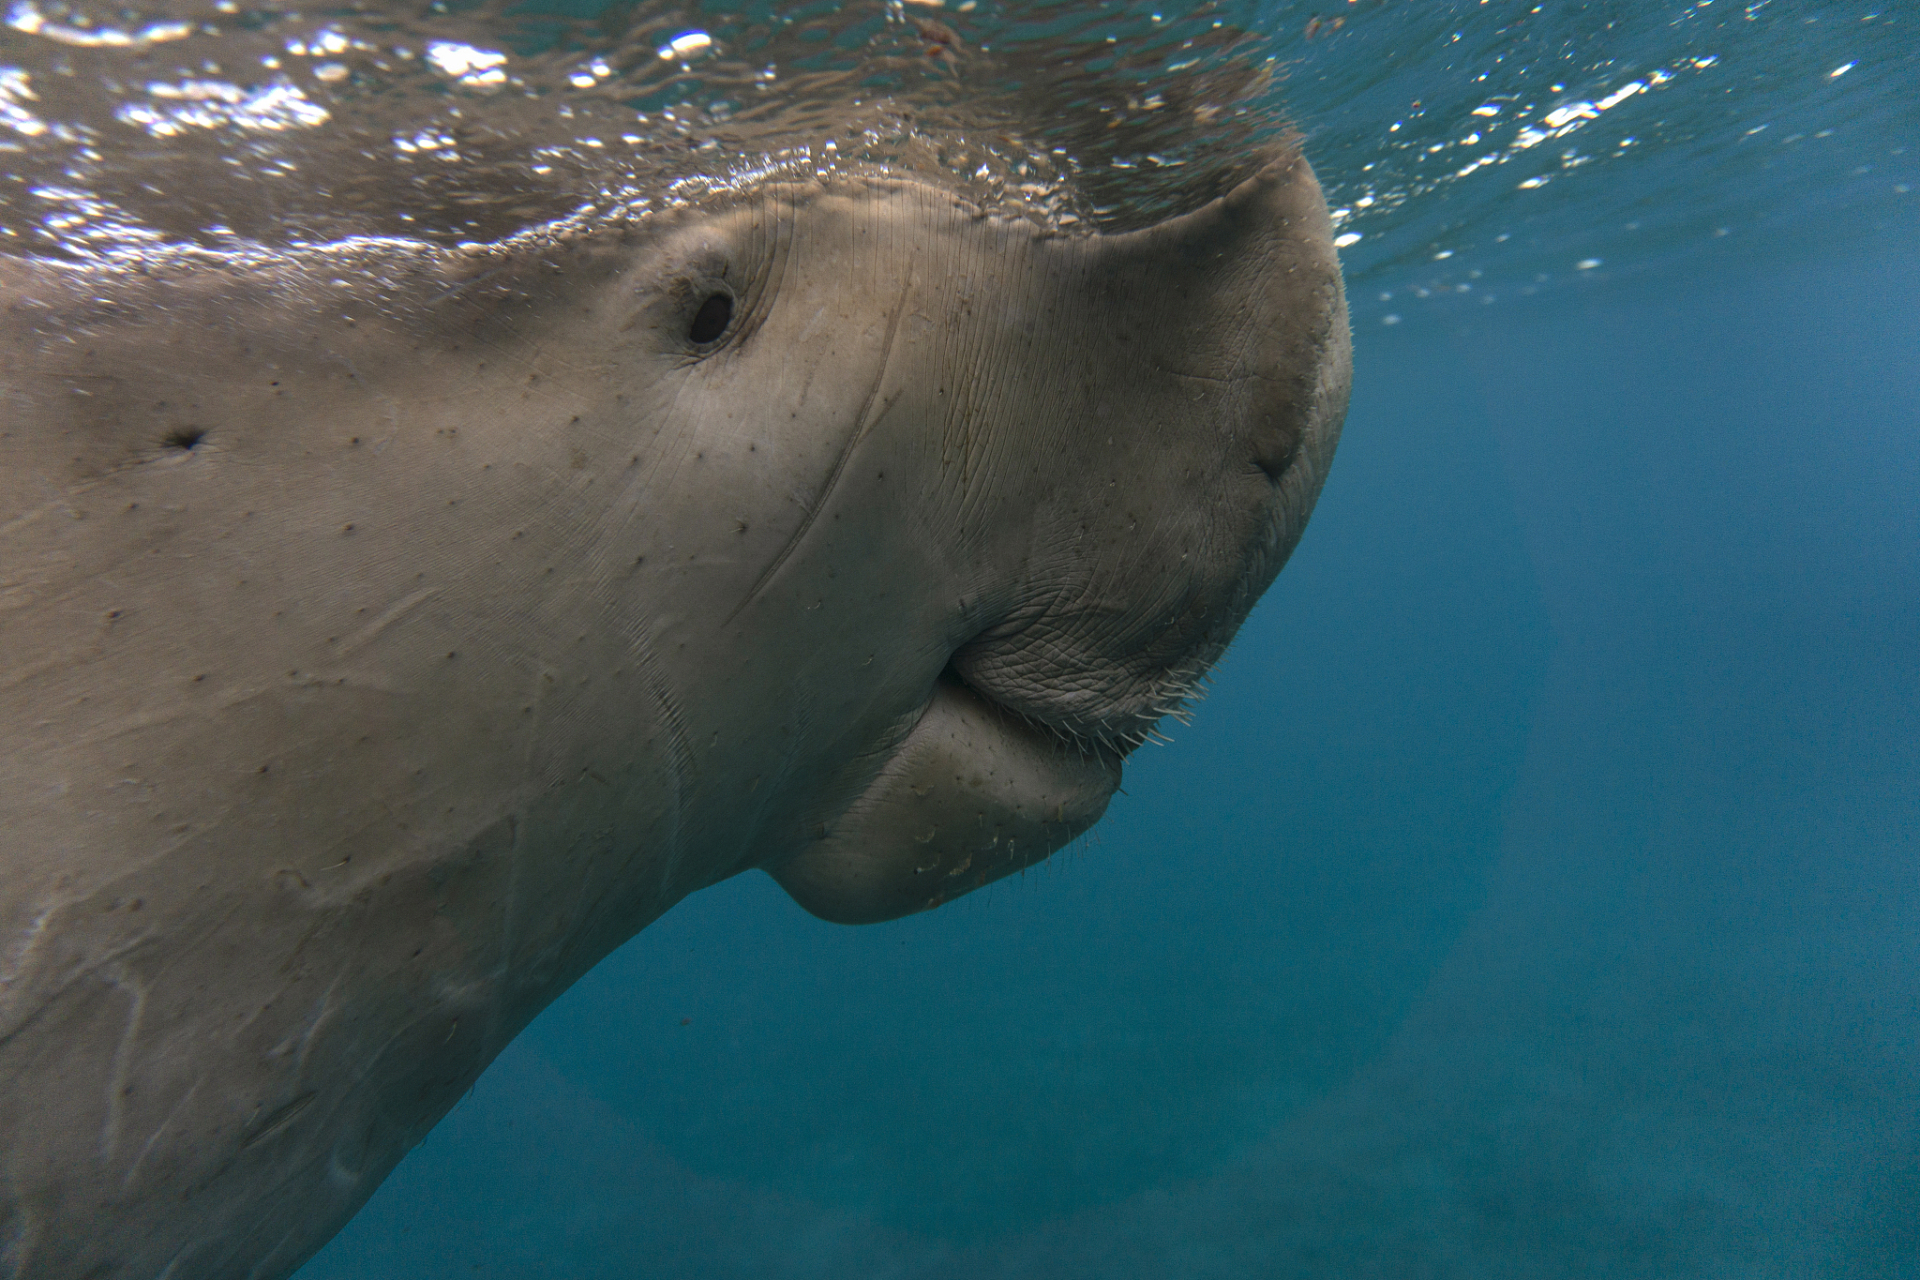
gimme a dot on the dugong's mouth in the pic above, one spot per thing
(974, 792)
(1041, 731)
(1074, 718)
(1106, 698)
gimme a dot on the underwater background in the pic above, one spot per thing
(1538, 891)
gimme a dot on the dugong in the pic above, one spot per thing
(390, 632)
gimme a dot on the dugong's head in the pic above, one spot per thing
(393, 632)
(1088, 456)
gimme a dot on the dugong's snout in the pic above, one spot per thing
(1218, 363)
(1174, 431)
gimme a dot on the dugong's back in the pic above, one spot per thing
(384, 639)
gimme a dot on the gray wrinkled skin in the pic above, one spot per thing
(385, 639)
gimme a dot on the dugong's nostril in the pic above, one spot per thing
(1276, 455)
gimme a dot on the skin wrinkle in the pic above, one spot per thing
(679, 754)
(766, 788)
(1231, 380)
(975, 400)
(990, 398)
(864, 422)
(674, 457)
(984, 437)
(1045, 650)
(770, 282)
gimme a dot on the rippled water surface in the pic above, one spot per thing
(1468, 148)
(276, 127)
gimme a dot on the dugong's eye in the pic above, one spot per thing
(710, 321)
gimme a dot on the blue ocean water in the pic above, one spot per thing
(1536, 895)
(1538, 892)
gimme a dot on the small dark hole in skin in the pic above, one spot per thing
(185, 437)
(710, 321)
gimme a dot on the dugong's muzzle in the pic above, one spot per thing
(1170, 449)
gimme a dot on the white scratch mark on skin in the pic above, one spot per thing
(129, 725)
(159, 1132)
(328, 1007)
(56, 501)
(23, 950)
(393, 613)
(117, 1087)
(14, 1020)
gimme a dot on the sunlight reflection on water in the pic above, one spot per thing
(1468, 150)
